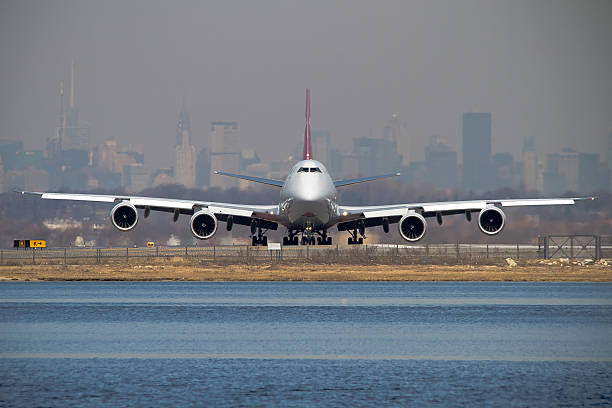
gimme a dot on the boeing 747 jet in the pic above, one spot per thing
(308, 208)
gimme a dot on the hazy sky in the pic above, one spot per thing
(543, 68)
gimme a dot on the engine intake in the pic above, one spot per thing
(412, 227)
(124, 216)
(491, 220)
(203, 224)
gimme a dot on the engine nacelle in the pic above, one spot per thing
(124, 216)
(491, 220)
(412, 227)
(203, 224)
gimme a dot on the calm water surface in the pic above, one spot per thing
(305, 344)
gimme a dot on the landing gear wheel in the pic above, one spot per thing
(304, 240)
(285, 241)
(328, 241)
(319, 240)
(311, 241)
(264, 241)
(360, 241)
(350, 241)
(255, 241)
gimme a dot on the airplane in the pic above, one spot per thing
(308, 207)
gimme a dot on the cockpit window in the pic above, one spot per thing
(309, 169)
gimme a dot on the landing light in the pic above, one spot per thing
(345, 213)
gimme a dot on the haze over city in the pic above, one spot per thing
(541, 68)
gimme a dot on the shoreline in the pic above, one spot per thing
(283, 272)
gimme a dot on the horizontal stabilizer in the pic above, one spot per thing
(340, 183)
(261, 180)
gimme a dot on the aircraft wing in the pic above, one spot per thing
(374, 215)
(241, 213)
(270, 182)
(341, 183)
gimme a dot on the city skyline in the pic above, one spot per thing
(541, 69)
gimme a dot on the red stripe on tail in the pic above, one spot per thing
(307, 133)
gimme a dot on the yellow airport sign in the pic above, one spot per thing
(38, 243)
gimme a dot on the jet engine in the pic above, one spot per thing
(412, 227)
(124, 216)
(203, 224)
(491, 220)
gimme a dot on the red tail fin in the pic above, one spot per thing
(307, 142)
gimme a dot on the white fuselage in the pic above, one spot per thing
(308, 197)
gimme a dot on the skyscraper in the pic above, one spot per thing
(184, 172)
(476, 150)
(610, 158)
(440, 163)
(224, 153)
(75, 135)
(530, 165)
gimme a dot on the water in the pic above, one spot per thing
(305, 344)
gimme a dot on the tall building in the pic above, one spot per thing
(610, 159)
(321, 141)
(224, 153)
(185, 170)
(376, 156)
(75, 135)
(530, 165)
(203, 168)
(441, 163)
(476, 150)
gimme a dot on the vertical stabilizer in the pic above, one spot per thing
(307, 132)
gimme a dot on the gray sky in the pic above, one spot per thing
(543, 68)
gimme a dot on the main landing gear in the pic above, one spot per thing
(354, 239)
(308, 238)
(258, 235)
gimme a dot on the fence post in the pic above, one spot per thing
(572, 247)
(185, 251)
(518, 255)
(307, 251)
(457, 249)
(127, 254)
(597, 247)
(157, 251)
(33, 256)
(487, 250)
(546, 247)
(64, 256)
(214, 252)
(1, 256)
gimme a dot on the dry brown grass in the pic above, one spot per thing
(176, 270)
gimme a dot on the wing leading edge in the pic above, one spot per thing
(241, 213)
(373, 215)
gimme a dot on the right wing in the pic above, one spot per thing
(242, 214)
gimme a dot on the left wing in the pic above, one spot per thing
(270, 182)
(242, 214)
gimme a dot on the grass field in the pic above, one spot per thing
(178, 269)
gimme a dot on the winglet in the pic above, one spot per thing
(307, 133)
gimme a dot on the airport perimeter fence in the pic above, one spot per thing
(594, 247)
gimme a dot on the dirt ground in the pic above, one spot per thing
(178, 270)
